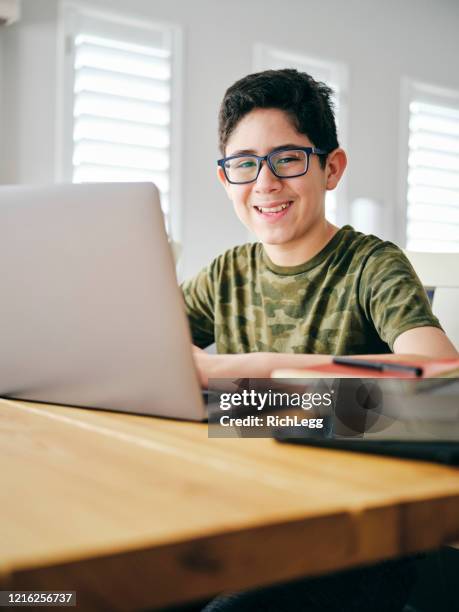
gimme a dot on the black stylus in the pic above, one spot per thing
(381, 366)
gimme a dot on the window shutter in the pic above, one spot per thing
(119, 100)
(121, 113)
(433, 177)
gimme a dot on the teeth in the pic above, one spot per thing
(273, 210)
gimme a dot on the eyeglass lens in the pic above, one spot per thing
(285, 164)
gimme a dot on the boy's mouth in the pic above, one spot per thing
(273, 210)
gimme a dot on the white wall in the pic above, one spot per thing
(380, 42)
(29, 95)
(1, 95)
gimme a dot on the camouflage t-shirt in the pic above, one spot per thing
(354, 297)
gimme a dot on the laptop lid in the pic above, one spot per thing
(91, 314)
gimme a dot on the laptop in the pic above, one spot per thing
(91, 314)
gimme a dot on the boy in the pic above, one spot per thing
(307, 288)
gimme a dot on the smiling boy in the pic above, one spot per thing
(307, 287)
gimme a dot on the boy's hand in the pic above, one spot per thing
(202, 365)
(197, 350)
(249, 365)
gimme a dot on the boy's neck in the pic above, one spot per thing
(298, 252)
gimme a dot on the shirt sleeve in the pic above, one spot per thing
(199, 297)
(392, 296)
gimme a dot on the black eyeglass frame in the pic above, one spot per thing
(261, 158)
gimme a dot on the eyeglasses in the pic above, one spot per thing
(283, 163)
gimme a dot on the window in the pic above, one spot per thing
(119, 115)
(335, 76)
(431, 180)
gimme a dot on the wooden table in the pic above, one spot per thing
(134, 512)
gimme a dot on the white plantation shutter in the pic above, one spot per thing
(433, 177)
(332, 74)
(121, 100)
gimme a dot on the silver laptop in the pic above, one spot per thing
(90, 310)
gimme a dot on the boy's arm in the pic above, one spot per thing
(250, 365)
(412, 343)
(429, 341)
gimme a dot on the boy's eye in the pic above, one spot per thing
(288, 157)
(245, 163)
(286, 160)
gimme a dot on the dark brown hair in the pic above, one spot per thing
(307, 102)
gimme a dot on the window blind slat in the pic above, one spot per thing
(119, 155)
(433, 246)
(433, 212)
(117, 108)
(119, 131)
(111, 43)
(433, 231)
(428, 160)
(433, 195)
(435, 125)
(422, 108)
(125, 86)
(428, 141)
(115, 60)
(125, 149)
(433, 178)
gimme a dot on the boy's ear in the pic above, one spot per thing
(222, 178)
(336, 164)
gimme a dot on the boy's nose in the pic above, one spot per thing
(267, 181)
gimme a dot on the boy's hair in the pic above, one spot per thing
(307, 102)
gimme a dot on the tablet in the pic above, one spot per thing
(441, 451)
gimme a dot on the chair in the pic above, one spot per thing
(439, 273)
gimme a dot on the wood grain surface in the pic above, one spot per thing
(134, 512)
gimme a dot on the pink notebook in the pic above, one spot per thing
(431, 369)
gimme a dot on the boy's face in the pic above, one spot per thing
(259, 132)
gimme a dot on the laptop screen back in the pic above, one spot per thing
(91, 314)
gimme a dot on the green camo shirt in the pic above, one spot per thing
(354, 297)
